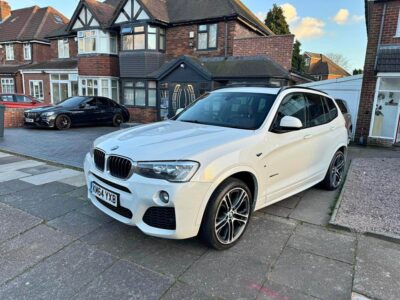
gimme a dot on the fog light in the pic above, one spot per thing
(164, 196)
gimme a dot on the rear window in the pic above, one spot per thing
(317, 113)
(342, 106)
(331, 107)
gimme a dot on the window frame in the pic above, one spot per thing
(207, 31)
(146, 88)
(25, 47)
(160, 34)
(6, 84)
(398, 26)
(112, 85)
(10, 55)
(32, 91)
(98, 36)
(64, 45)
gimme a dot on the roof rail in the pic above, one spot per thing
(233, 85)
(301, 87)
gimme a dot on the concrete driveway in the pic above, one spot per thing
(67, 147)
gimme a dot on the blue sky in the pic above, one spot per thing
(323, 26)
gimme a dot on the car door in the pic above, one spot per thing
(289, 158)
(105, 113)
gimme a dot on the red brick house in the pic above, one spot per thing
(155, 56)
(322, 67)
(379, 113)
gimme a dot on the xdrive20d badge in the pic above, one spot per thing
(208, 169)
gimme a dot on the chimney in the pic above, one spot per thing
(5, 10)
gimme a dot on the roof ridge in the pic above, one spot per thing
(40, 27)
(28, 20)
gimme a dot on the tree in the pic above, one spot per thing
(339, 59)
(276, 21)
(298, 61)
(358, 71)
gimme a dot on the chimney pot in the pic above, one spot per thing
(5, 10)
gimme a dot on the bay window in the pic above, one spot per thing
(143, 37)
(27, 51)
(36, 89)
(7, 86)
(10, 52)
(105, 87)
(140, 93)
(97, 41)
(63, 48)
(207, 36)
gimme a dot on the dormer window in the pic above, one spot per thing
(207, 37)
(10, 52)
(143, 37)
(63, 48)
(27, 51)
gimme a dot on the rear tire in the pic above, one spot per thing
(227, 215)
(118, 119)
(63, 122)
(336, 172)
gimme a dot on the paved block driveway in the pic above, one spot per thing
(54, 244)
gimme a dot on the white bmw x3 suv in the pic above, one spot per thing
(230, 153)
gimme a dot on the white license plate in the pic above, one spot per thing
(27, 120)
(105, 195)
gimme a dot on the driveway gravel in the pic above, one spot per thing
(371, 197)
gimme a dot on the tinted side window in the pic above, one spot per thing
(22, 99)
(7, 98)
(102, 103)
(333, 111)
(293, 106)
(316, 112)
(342, 106)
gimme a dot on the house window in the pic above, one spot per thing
(105, 87)
(7, 85)
(63, 48)
(143, 37)
(10, 52)
(27, 51)
(36, 89)
(207, 36)
(97, 41)
(398, 26)
(140, 93)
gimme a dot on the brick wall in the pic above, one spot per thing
(18, 55)
(46, 85)
(390, 24)
(143, 115)
(13, 117)
(278, 48)
(40, 52)
(73, 48)
(98, 65)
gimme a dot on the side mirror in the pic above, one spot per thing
(291, 123)
(179, 111)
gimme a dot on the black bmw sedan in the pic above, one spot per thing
(78, 111)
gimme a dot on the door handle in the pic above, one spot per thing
(308, 136)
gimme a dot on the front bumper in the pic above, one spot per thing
(139, 194)
(41, 122)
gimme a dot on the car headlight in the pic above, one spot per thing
(47, 114)
(174, 171)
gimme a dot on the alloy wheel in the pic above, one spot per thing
(232, 216)
(338, 170)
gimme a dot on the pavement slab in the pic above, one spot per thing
(77, 181)
(125, 280)
(15, 166)
(274, 291)
(12, 175)
(13, 186)
(377, 272)
(29, 248)
(2, 155)
(75, 224)
(90, 210)
(227, 274)
(183, 291)
(10, 159)
(320, 241)
(8, 225)
(313, 275)
(60, 276)
(40, 169)
(51, 176)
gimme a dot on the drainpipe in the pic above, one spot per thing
(23, 83)
(380, 35)
(226, 38)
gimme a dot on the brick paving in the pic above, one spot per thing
(55, 244)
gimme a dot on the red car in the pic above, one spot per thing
(19, 101)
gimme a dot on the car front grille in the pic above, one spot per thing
(31, 115)
(160, 217)
(126, 213)
(99, 159)
(119, 167)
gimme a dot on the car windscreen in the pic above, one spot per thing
(229, 109)
(72, 102)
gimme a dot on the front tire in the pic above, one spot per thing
(335, 175)
(227, 215)
(63, 122)
(118, 119)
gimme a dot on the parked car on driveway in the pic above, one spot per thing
(19, 101)
(77, 111)
(344, 108)
(230, 153)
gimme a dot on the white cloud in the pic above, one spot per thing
(358, 18)
(342, 17)
(309, 28)
(290, 12)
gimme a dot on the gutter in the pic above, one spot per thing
(380, 35)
